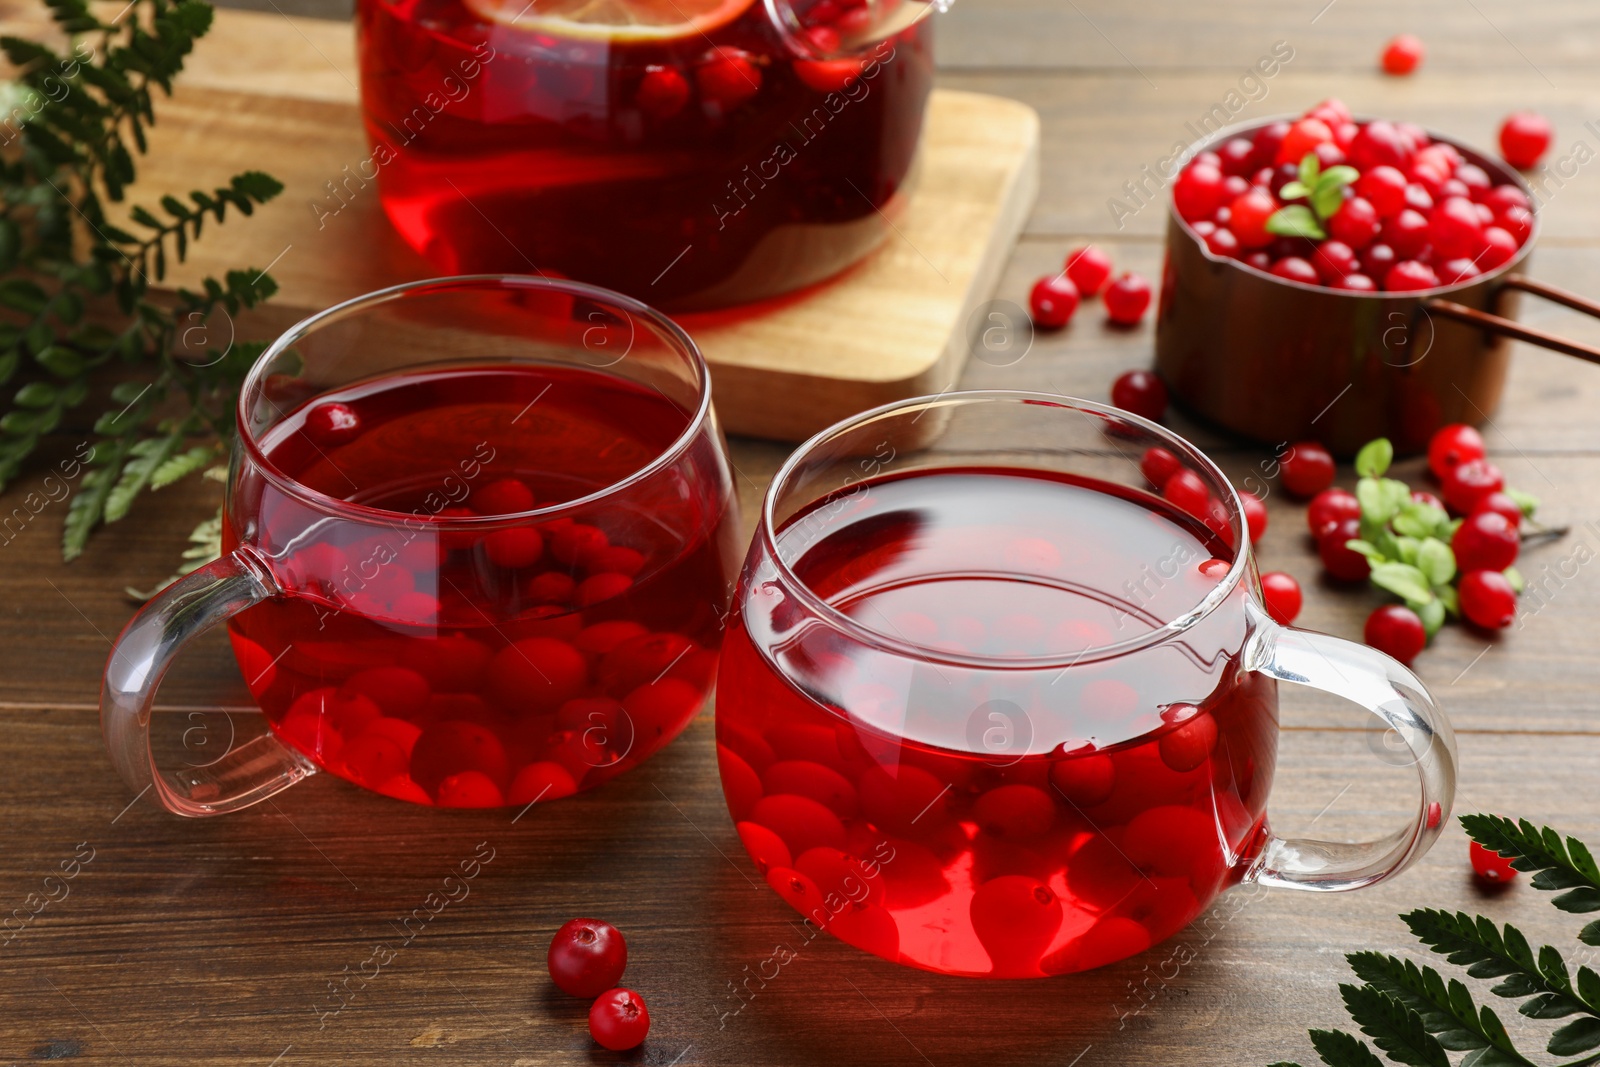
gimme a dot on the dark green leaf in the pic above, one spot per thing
(1576, 1037)
(1339, 1049)
(1393, 1027)
(36, 395)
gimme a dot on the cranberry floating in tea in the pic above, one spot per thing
(696, 153)
(991, 706)
(478, 547)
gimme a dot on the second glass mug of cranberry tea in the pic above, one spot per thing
(690, 152)
(478, 547)
(989, 706)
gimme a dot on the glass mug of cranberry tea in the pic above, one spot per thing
(1398, 323)
(479, 542)
(990, 707)
(700, 153)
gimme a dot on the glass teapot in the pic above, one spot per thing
(696, 153)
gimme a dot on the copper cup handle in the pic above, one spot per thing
(1505, 327)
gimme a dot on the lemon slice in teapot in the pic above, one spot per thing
(612, 20)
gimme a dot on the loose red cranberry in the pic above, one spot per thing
(1187, 492)
(1223, 243)
(1524, 137)
(1303, 136)
(1487, 599)
(1249, 218)
(1406, 233)
(1408, 276)
(1490, 866)
(1053, 300)
(1518, 222)
(726, 78)
(1198, 191)
(1340, 561)
(1499, 248)
(1502, 505)
(1266, 143)
(1157, 465)
(1376, 259)
(1380, 144)
(618, 1020)
(1467, 483)
(1306, 469)
(1357, 283)
(1088, 267)
(1236, 154)
(587, 957)
(1140, 392)
(1355, 223)
(1126, 299)
(1331, 506)
(1395, 630)
(1255, 515)
(1455, 229)
(1333, 260)
(1402, 54)
(1295, 269)
(1485, 541)
(332, 424)
(1282, 595)
(1505, 196)
(1384, 188)
(1452, 446)
(662, 92)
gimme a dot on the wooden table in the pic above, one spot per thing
(217, 941)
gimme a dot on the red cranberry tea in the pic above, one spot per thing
(680, 150)
(478, 663)
(1014, 800)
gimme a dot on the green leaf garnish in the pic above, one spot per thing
(1404, 581)
(1514, 576)
(1295, 220)
(1526, 501)
(1374, 458)
(1436, 561)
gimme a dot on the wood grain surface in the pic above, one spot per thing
(215, 942)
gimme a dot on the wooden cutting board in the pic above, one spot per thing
(279, 94)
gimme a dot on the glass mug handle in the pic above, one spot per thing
(139, 660)
(1391, 692)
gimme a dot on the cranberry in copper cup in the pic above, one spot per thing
(1278, 360)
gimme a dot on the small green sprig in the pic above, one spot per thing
(1323, 189)
(1414, 1015)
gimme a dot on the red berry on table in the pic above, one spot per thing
(1452, 446)
(1487, 599)
(1355, 223)
(727, 77)
(1454, 228)
(1306, 469)
(1396, 631)
(1339, 560)
(618, 1020)
(1409, 275)
(1248, 218)
(1157, 465)
(662, 92)
(1503, 505)
(1295, 269)
(587, 957)
(1333, 260)
(1485, 541)
(1384, 188)
(1402, 54)
(1053, 301)
(1187, 492)
(1524, 137)
(1467, 483)
(1331, 506)
(1490, 866)
(1355, 282)
(1089, 268)
(1198, 191)
(1255, 514)
(1423, 497)
(1140, 392)
(1126, 299)
(1303, 136)
(1282, 595)
(332, 424)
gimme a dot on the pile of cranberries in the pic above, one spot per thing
(1416, 215)
(587, 958)
(1087, 271)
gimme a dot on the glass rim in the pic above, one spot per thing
(767, 531)
(254, 380)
